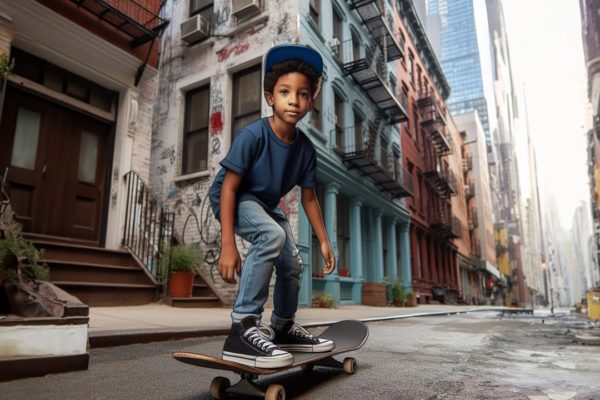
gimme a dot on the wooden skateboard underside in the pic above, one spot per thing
(347, 335)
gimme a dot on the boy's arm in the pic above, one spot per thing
(230, 262)
(313, 212)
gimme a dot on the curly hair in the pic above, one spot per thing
(287, 67)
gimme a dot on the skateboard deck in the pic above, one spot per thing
(347, 335)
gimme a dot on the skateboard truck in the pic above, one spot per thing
(347, 335)
(220, 387)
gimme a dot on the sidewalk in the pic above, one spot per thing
(113, 326)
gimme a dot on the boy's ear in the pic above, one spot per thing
(269, 98)
(311, 104)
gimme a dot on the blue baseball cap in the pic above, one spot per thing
(285, 52)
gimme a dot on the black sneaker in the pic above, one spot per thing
(248, 345)
(293, 337)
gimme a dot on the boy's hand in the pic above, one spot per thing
(230, 263)
(329, 257)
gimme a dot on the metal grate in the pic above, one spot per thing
(128, 16)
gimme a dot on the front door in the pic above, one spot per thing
(57, 166)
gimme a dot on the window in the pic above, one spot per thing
(339, 122)
(358, 133)
(338, 32)
(355, 47)
(314, 10)
(315, 114)
(383, 152)
(415, 124)
(62, 81)
(343, 235)
(202, 7)
(195, 136)
(246, 97)
(411, 66)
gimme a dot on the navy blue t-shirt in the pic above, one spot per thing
(269, 167)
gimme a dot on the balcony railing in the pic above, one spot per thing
(441, 223)
(368, 68)
(441, 178)
(360, 150)
(434, 123)
(129, 16)
(375, 16)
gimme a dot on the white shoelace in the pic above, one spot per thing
(266, 331)
(299, 331)
(258, 339)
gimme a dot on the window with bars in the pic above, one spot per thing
(246, 97)
(195, 136)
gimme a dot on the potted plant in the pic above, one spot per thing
(411, 298)
(399, 295)
(322, 300)
(184, 260)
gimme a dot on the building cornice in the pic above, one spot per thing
(424, 46)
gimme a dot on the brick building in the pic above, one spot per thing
(76, 117)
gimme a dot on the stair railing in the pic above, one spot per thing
(148, 227)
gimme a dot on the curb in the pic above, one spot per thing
(124, 338)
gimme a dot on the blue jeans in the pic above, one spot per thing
(272, 246)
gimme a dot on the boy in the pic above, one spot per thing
(266, 160)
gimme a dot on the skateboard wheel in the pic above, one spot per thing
(308, 367)
(275, 392)
(350, 366)
(218, 386)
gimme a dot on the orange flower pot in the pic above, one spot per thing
(181, 283)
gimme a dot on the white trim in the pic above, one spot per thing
(42, 32)
(201, 174)
(62, 98)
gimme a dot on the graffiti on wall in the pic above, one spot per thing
(199, 227)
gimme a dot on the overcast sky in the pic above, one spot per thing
(548, 61)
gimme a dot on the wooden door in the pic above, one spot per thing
(57, 166)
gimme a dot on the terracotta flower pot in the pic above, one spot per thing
(411, 301)
(181, 283)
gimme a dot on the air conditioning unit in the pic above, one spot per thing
(195, 29)
(335, 46)
(243, 9)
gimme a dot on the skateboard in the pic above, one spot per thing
(347, 335)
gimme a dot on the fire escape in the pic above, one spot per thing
(367, 67)
(138, 23)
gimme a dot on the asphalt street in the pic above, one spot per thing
(472, 356)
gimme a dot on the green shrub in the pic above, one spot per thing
(14, 248)
(399, 293)
(183, 258)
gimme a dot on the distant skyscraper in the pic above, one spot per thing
(458, 31)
